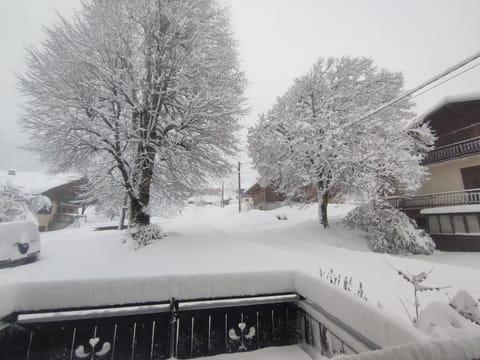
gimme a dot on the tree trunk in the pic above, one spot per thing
(144, 165)
(137, 215)
(322, 207)
(138, 205)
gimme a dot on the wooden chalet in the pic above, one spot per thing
(264, 198)
(269, 198)
(448, 203)
(63, 190)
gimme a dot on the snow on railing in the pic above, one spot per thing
(462, 197)
(323, 319)
(452, 151)
(319, 317)
(445, 349)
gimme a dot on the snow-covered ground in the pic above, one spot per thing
(213, 251)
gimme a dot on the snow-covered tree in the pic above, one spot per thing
(312, 135)
(16, 205)
(143, 93)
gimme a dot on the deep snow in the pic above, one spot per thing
(212, 251)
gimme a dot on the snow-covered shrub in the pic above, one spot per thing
(466, 305)
(389, 230)
(140, 235)
(17, 206)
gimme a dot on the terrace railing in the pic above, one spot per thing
(462, 197)
(452, 151)
(188, 329)
(178, 329)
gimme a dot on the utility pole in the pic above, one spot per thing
(223, 192)
(239, 190)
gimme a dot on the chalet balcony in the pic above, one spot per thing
(462, 197)
(453, 151)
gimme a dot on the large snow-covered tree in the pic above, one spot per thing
(142, 93)
(312, 135)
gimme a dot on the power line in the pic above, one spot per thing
(446, 80)
(408, 93)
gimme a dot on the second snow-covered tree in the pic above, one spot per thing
(312, 135)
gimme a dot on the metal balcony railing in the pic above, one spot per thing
(462, 197)
(452, 151)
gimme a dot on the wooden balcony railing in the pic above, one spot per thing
(463, 148)
(462, 197)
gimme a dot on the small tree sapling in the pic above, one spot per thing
(416, 281)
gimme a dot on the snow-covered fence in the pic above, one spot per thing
(355, 315)
(187, 329)
(462, 197)
(452, 151)
(322, 318)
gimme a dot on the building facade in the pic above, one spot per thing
(448, 203)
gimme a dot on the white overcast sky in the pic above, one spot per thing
(279, 40)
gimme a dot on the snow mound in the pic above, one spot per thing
(442, 321)
(466, 305)
(389, 230)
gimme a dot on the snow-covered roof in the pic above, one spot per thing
(451, 100)
(36, 182)
(457, 209)
(249, 190)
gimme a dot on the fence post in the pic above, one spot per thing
(173, 323)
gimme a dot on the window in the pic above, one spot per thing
(445, 224)
(453, 224)
(433, 225)
(471, 177)
(472, 223)
(459, 224)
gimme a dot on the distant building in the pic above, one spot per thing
(63, 190)
(263, 198)
(448, 203)
(268, 197)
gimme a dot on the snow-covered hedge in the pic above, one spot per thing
(389, 230)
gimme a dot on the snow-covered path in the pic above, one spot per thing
(204, 244)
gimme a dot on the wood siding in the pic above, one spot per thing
(455, 122)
